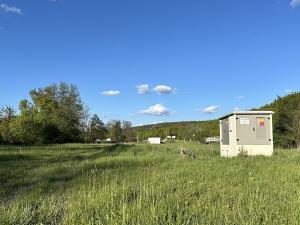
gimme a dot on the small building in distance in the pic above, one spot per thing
(171, 137)
(210, 140)
(246, 132)
(108, 140)
(154, 141)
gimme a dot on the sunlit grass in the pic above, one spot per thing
(142, 184)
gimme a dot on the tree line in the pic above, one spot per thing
(286, 120)
(286, 125)
(56, 114)
(188, 130)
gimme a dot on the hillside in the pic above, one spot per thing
(286, 124)
(195, 130)
(286, 120)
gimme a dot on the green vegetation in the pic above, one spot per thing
(56, 114)
(188, 130)
(286, 120)
(286, 125)
(143, 184)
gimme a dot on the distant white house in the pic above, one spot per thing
(154, 141)
(108, 140)
(171, 137)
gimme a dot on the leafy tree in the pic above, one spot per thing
(7, 115)
(127, 131)
(116, 131)
(295, 126)
(28, 126)
(55, 115)
(97, 129)
(68, 112)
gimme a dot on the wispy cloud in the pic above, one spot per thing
(237, 109)
(163, 89)
(11, 9)
(156, 110)
(143, 89)
(211, 109)
(241, 97)
(111, 93)
(151, 123)
(294, 3)
(288, 91)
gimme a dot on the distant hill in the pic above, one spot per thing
(286, 124)
(286, 120)
(188, 130)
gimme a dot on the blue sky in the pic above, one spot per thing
(195, 59)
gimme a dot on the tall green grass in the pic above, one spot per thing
(142, 184)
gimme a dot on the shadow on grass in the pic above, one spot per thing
(55, 157)
(24, 174)
(15, 157)
(58, 182)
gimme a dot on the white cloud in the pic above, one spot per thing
(288, 91)
(163, 89)
(11, 9)
(156, 110)
(111, 93)
(241, 97)
(237, 109)
(157, 122)
(211, 109)
(294, 3)
(143, 89)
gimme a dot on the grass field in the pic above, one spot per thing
(142, 184)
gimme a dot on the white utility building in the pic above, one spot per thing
(154, 141)
(247, 132)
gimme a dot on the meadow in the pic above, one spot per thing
(143, 184)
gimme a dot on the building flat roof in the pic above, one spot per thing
(247, 113)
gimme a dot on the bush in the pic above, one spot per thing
(243, 152)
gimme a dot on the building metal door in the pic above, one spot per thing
(253, 130)
(225, 131)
